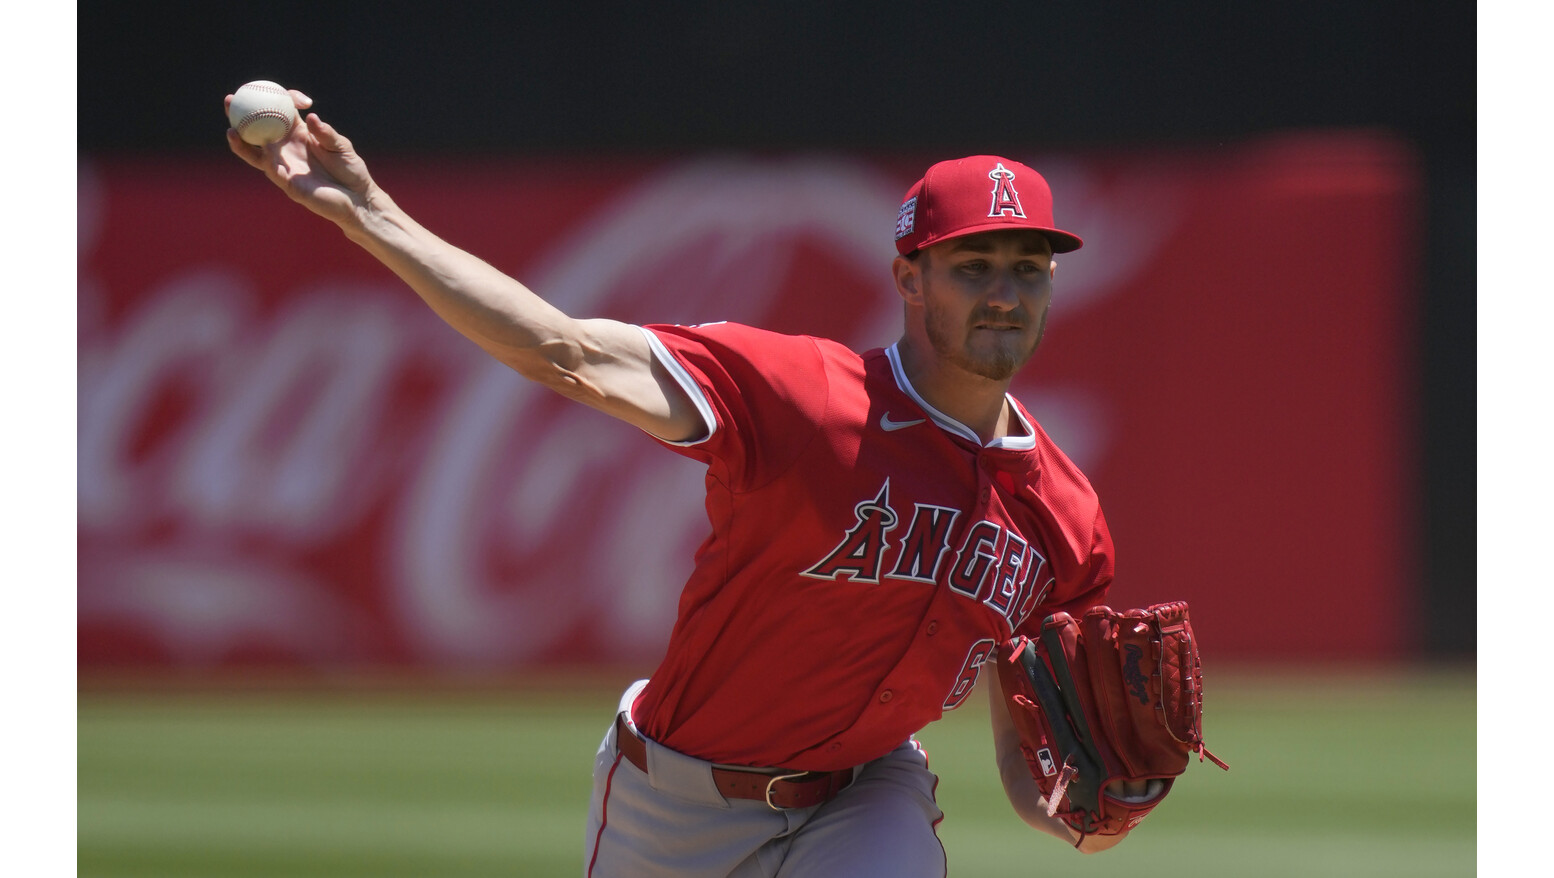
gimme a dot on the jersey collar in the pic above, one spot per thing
(949, 424)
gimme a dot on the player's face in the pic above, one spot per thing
(985, 300)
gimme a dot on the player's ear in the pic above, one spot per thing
(908, 279)
(1052, 269)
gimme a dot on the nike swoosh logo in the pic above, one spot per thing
(890, 426)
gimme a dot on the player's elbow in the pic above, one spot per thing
(567, 382)
(555, 364)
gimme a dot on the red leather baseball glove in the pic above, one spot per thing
(1110, 696)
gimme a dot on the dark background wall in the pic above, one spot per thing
(458, 79)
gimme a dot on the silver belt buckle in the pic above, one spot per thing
(773, 782)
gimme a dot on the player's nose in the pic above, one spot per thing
(1003, 294)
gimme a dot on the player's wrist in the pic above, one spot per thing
(373, 216)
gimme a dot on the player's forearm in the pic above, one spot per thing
(1026, 799)
(1014, 772)
(1031, 806)
(1024, 795)
(601, 363)
(493, 310)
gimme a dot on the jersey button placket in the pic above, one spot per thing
(984, 485)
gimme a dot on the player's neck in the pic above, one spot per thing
(978, 402)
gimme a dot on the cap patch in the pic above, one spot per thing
(906, 219)
(1006, 201)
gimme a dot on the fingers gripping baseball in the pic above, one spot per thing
(252, 149)
(313, 164)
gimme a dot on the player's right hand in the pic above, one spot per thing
(315, 165)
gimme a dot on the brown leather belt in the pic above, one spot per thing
(777, 788)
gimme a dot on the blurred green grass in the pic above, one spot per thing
(1334, 774)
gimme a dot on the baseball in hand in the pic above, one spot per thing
(262, 112)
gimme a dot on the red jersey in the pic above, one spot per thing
(867, 554)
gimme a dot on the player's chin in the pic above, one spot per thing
(996, 368)
(1000, 356)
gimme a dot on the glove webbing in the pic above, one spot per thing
(1081, 762)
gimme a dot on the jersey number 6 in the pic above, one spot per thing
(967, 680)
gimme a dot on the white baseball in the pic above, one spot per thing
(262, 112)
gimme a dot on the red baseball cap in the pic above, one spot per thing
(980, 193)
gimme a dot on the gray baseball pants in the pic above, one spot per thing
(671, 821)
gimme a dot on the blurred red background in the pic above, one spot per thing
(286, 461)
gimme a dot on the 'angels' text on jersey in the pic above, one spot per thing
(993, 563)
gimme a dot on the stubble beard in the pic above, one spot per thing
(995, 362)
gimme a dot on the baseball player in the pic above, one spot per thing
(881, 522)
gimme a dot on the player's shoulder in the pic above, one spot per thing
(727, 339)
(764, 383)
(1058, 469)
(729, 332)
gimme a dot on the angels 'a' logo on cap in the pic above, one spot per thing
(1006, 201)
